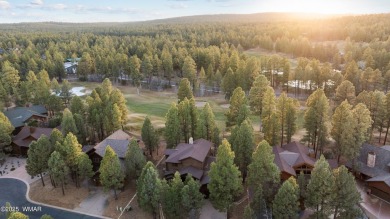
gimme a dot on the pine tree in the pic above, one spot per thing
(346, 196)
(55, 86)
(171, 197)
(207, 123)
(147, 68)
(134, 160)
(287, 113)
(191, 197)
(185, 119)
(263, 174)
(229, 83)
(135, 67)
(345, 91)
(316, 119)
(6, 130)
(236, 101)
(58, 169)
(69, 150)
(172, 126)
(149, 136)
(56, 136)
(111, 174)
(189, 71)
(77, 106)
(286, 202)
(9, 78)
(38, 156)
(320, 189)
(84, 168)
(225, 179)
(148, 189)
(343, 128)
(243, 114)
(256, 95)
(81, 127)
(66, 93)
(184, 90)
(242, 141)
(68, 124)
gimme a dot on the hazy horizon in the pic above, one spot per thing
(116, 11)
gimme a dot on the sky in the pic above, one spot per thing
(15, 11)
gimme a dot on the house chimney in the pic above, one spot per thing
(191, 141)
(371, 159)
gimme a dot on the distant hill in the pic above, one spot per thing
(258, 17)
(110, 26)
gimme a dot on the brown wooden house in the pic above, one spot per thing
(373, 166)
(21, 142)
(119, 140)
(22, 116)
(292, 158)
(193, 158)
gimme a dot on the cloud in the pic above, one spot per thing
(4, 5)
(57, 6)
(37, 2)
(178, 6)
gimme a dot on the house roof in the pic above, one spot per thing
(281, 162)
(382, 160)
(294, 155)
(29, 134)
(302, 152)
(87, 148)
(19, 115)
(195, 172)
(382, 178)
(198, 151)
(118, 141)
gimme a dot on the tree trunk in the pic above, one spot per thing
(43, 183)
(335, 212)
(281, 142)
(63, 190)
(116, 197)
(387, 131)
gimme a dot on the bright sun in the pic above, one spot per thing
(307, 6)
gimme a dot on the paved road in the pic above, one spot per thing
(14, 191)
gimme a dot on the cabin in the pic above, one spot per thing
(373, 167)
(292, 158)
(119, 140)
(21, 142)
(193, 158)
(70, 68)
(35, 115)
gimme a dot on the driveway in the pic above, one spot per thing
(14, 191)
(208, 211)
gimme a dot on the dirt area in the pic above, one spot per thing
(123, 198)
(53, 196)
(238, 210)
(130, 189)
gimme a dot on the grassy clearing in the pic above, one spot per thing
(156, 105)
